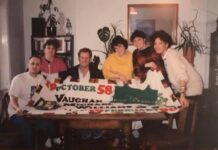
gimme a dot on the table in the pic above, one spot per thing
(100, 121)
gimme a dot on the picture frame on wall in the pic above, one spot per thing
(152, 17)
(145, 25)
(62, 45)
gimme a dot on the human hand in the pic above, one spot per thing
(136, 78)
(19, 111)
(184, 101)
(30, 103)
(123, 79)
(151, 65)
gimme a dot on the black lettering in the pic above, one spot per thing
(87, 88)
(59, 97)
(81, 88)
(77, 100)
(92, 101)
(69, 86)
(71, 99)
(75, 87)
(85, 100)
(92, 89)
(98, 101)
(65, 99)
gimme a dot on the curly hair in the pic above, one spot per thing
(138, 33)
(53, 42)
(164, 36)
(119, 40)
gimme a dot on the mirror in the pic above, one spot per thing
(153, 17)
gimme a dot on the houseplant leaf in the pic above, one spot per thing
(104, 34)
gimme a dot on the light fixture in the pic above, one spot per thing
(132, 11)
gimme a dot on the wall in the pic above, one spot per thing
(4, 50)
(16, 37)
(12, 41)
(88, 16)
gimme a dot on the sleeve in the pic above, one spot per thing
(177, 66)
(15, 88)
(106, 68)
(63, 66)
(62, 75)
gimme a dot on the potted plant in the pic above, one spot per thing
(48, 11)
(106, 35)
(190, 42)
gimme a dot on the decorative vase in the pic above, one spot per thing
(189, 54)
(51, 31)
(38, 27)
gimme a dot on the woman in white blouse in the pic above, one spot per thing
(184, 78)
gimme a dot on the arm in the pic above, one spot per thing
(15, 105)
(110, 74)
(183, 100)
(63, 66)
(106, 69)
(155, 62)
(178, 68)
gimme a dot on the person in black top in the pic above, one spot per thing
(85, 70)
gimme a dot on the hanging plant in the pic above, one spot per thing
(189, 41)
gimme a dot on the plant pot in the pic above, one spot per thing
(38, 27)
(189, 54)
(51, 31)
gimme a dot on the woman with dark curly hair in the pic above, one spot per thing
(144, 57)
(118, 65)
(184, 78)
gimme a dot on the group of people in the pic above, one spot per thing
(120, 66)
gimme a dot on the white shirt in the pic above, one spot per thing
(23, 86)
(178, 68)
(85, 78)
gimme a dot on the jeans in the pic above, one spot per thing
(27, 128)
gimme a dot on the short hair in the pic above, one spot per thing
(85, 50)
(54, 42)
(164, 36)
(35, 56)
(138, 33)
(119, 40)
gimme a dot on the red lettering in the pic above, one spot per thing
(100, 89)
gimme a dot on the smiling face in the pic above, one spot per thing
(160, 46)
(139, 43)
(120, 50)
(34, 66)
(84, 59)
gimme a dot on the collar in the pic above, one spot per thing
(165, 55)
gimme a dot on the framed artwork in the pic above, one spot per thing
(152, 17)
(145, 25)
(62, 45)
